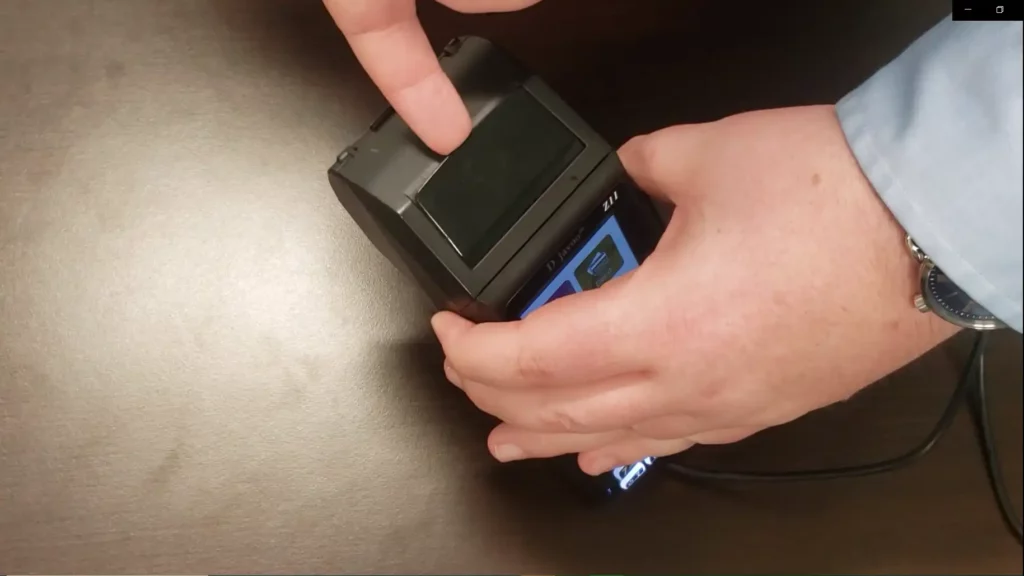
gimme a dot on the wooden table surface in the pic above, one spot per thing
(205, 367)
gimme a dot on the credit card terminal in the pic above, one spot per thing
(534, 206)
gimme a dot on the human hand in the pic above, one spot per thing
(781, 286)
(389, 42)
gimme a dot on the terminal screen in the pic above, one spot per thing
(604, 256)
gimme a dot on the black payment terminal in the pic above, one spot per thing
(534, 206)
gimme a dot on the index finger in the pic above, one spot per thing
(574, 340)
(389, 42)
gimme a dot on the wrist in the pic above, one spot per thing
(907, 263)
(898, 268)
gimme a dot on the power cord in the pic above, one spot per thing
(970, 389)
(979, 412)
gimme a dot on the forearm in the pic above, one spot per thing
(938, 132)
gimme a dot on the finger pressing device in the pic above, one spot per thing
(533, 206)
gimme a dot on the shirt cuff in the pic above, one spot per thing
(938, 134)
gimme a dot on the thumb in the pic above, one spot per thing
(577, 339)
(662, 163)
(485, 6)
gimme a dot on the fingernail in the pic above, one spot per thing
(599, 465)
(449, 373)
(443, 322)
(436, 322)
(508, 452)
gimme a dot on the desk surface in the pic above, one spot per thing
(204, 366)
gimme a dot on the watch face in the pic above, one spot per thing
(953, 301)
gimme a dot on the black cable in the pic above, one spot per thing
(973, 373)
(979, 411)
(945, 422)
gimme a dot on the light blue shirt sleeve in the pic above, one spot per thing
(938, 133)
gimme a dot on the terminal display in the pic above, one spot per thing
(605, 255)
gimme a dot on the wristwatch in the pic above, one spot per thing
(945, 299)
